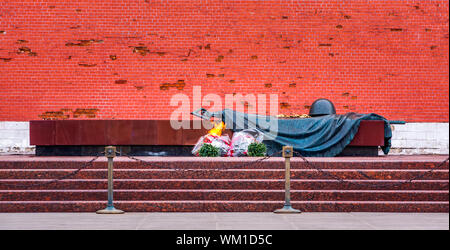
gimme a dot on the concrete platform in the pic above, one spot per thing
(225, 221)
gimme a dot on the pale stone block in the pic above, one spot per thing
(15, 125)
(4, 142)
(399, 128)
(14, 134)
(399, 143)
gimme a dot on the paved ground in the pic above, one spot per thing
(225, 221)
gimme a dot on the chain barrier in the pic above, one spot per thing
(86, 165)
(310, 164)
(247, 164)
(240, 166)
(341, 180)
(313, 166)
(204, 194)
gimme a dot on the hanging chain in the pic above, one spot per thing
(310, 164)
(226, 164)
(84, 166)
(240, 166)
(341, 180)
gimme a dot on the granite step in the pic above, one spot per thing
(219, 163)
(224, 195)
(250, 184)
(376, 184)
(362, 174)
(226, 206)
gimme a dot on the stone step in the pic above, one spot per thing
(376, 184)
(11, 162)
(362, 174)
(250, 184)
(226, 206)
(224, 195)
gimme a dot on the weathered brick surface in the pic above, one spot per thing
(125, 59)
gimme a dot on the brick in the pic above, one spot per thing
(389, 56)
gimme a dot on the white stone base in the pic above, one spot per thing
(15, 138)
(408, 139)
(420, 138)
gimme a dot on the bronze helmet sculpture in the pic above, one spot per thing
(321, 107)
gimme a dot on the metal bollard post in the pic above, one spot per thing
(288, 152)
(110, 153)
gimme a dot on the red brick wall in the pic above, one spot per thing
(126, 58)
